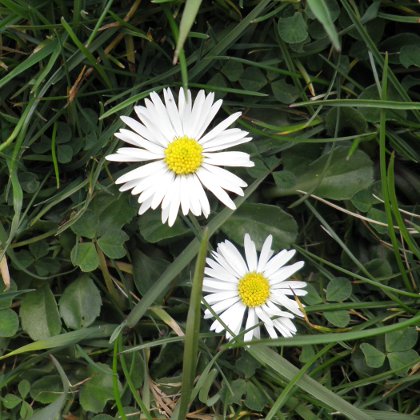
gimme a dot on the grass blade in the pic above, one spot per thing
(322, 13)
(192, 331)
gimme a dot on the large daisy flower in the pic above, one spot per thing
(182, 158)
(255, 287)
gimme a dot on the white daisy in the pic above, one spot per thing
(182, 158)
(258, 286)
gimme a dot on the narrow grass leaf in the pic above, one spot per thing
(320, 9)
(288, 371)
(192, 330)
(188, 16)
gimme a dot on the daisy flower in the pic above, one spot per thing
(182, 159)
(255, 287)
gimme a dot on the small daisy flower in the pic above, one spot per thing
(255, 288)
(181, 158)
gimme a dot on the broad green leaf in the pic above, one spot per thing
(345, 121)
(261, 220)
(9, 322)
(374, 357)
(86, 225)
(10, 401)
(95, 392)
(254, 397)
(233, 70)
(80, 303)
(410, 56)
(398, 359)
(333, 175)
(236, 391)
(401, 340)
(44, 389)
(253, 79)
(146, 269)
(112, 243)
(292, 29)
(39, 314)
(284, 92)
(321, 11)
(153, 230)
(340, 318)
(208, 382)
(339, 289)
(24, 387)
(85, 256)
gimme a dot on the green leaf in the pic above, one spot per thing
(80, 303)
(85, 256)
(254, 398)
(399, 359)
(410, 56)
(284, 92)
(39, 314)
(10, 401)
(401, 340)
(339, 318)
(253, 79)
(374, 357)
(339, 289)
(24, 387)
(112, 243)
(95, 392)
(187, 20)
(321, 11)
(44, 390)
(9, 323)
(293, 29)
(86, 225)
(333, 175)
(153, 230)
(261, 220)
(235, 391)
(345, 121)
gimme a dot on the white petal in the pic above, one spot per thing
(209, 182)
(140, 129)
(250, 253)
(220, 127)
(284, 301)
(223, 305)
(233, 257)
(220, 296)
(173, 113)
(196, 113)
(263, 316)
(278, 261)
(266, 253)
(151, 122)
(228, 159)
(211, 113)
(211, 285)
(229, 138)
(145, 206)
(201, 196)
(283, 273)
(175, 201)
(162, 114)
(221, 275)
(141, 172)
(140, 153)
(251, 321)
(233, 318)
(227, 180)
(162, 188)
(134, 139)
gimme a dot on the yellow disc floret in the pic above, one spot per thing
(253, 289)
(184, 155)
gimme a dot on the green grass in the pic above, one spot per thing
(328, 91)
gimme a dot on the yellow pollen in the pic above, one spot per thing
(254, 289)
(184, 155)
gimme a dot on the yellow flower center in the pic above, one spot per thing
(254, 289)
(184, 155)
